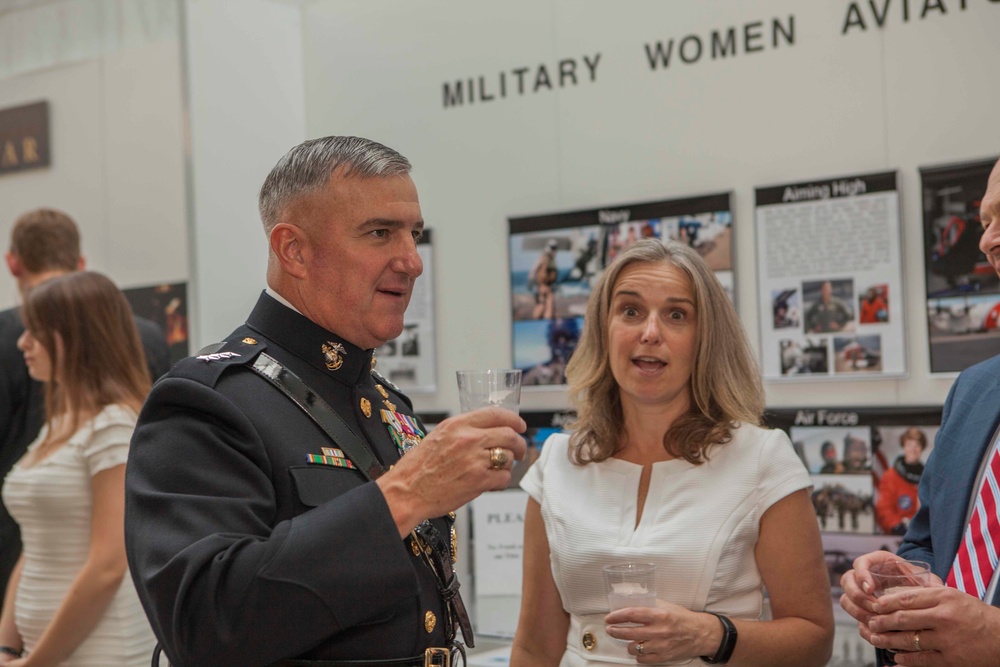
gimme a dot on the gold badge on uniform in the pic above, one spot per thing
(250, 341)
(366, 407)
(382, 391)
(430, 620)
(389, 404)
(333, 355)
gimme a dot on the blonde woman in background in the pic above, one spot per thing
(69, 600)
(667, 463)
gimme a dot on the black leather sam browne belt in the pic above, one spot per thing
(433, 547)
(433, 657)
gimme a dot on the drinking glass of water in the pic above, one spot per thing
(894, 576)
(630, 585)
(497, 388)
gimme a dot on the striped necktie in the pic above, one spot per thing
(976, 560)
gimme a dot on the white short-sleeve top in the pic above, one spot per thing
(699, 526)
(52, 502)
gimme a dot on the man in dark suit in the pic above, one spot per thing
(44, 243)
(283, 504)
(942, 625)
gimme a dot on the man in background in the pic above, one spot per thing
(44, 244)
(956, 529)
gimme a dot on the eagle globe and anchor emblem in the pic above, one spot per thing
(333, 355)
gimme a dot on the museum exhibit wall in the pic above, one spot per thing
(165, 117)
(504, 113)
(111, 74)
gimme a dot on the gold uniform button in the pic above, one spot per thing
(250, 341)
(589, 641)
(430, 620)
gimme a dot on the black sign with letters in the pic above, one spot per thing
(24, 137)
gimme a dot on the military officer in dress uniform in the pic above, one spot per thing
(283, 504)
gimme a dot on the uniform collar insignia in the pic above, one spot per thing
(333, 355)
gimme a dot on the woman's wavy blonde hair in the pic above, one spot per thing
(725, 384)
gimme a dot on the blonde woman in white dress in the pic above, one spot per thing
(667, 463)
(70, 601)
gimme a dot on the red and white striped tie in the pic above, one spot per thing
(977, 556)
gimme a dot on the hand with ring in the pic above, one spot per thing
(639, 648)
(460, 458)
(498, 458)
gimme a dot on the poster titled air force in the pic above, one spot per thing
(555, 259)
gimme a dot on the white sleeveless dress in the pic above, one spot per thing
(51, 501)
(699, 526)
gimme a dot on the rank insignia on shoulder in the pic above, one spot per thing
(217, 356)
(333, 355)
(331, 456)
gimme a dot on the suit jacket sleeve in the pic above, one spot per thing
(214, 561)
(918, 543)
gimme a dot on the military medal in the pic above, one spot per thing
(403, 428)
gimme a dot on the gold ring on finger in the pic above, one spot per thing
(916, 640)
(498, 458)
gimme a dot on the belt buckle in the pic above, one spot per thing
(437, 657)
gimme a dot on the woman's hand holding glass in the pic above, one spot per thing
(665, 634)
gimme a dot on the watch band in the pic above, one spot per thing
(728, 644)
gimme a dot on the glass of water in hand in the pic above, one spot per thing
(892, 577)
(630, 585)
(497, 388)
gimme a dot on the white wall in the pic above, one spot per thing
(116, 128)
(914, 93)
(244, 67)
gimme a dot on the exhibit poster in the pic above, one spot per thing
(167, 306)
(963, 292)
(865, 465)
(829, 278)
(409, 361)
(556, 258)
(498, 535)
